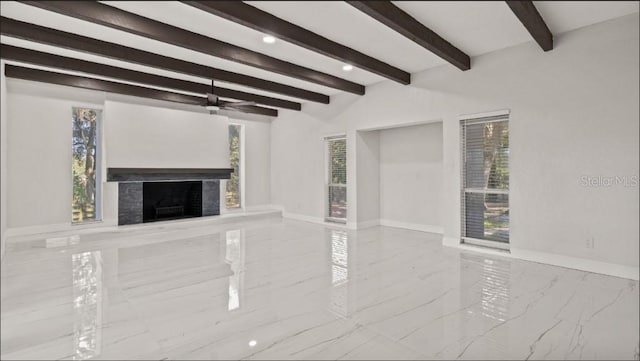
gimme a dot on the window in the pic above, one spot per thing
(485, 181)
(85, 167)
(233, 191)
(337, 179)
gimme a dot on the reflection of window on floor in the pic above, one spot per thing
(339, 273)
(233, 191)
(87, 304)
(235, 257)
(85, 165)
(495, 289)
(337, 179)
(489, 282)
(485, 180)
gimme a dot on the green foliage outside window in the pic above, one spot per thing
(338, 149)
(233, 184)
(84, 155)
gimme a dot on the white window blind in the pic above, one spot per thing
(485, 180)
(337, 178)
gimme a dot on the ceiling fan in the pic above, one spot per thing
(214, 103)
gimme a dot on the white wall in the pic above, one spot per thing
(411, 175)
(298, 164)
(39, 148)
(574, 112)
(368, 177)
(3, 159)
(257, 162)
(141, 136)
(39, 152)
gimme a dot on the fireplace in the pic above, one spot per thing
(171, 200)
(152, 194)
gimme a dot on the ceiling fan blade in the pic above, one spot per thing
(237, 105)
(242, 104)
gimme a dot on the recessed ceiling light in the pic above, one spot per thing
(347, 67)
(252, 343)
(269, 39)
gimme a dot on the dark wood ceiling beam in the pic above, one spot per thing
(62, 62)
(529, 16)
(247, 15)
(115, 18)
(398, 20)
(44, 35)
(18, 72)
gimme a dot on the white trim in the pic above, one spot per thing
(582, 264)
(368, 224)
(59, 227)
(101, 173)
(494, 113)
(451, 241)
(327, 179)
(455, 243)
(412, 226)
(486, 191)
(334, 136)
(346, 225)
(316, 220)
(399, 125)
(242, 167)
(241, 178)
(486, 243)
(303, 217)
(100, 167)
(263, 207)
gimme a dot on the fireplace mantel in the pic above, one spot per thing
(166, 174)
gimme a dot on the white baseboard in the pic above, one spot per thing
(412, 226)
(302, 217)
(316, 220)
(582, 264)
(365, 224)
(451, 241)
(263, 207)
(368, 224)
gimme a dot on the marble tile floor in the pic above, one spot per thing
(283, 289)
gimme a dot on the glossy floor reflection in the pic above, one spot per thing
(280, 289)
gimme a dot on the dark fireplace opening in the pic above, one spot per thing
(171, 200)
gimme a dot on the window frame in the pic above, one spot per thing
(99, 165)
(464, 121)
(241, 171)
(327, 177)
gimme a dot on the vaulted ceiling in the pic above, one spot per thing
(172, 50)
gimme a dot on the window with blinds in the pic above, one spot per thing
(485, 181)
(336, 179)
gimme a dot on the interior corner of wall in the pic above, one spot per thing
(451, 241)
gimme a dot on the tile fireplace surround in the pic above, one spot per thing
(131, 190)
